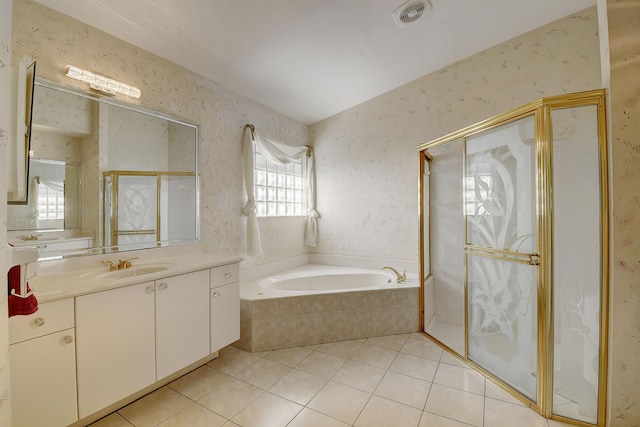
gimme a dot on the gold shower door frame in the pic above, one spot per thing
(541, 110)
(112, 216)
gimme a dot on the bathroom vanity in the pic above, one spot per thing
(101, 338)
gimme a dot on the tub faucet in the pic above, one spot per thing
(401, 277)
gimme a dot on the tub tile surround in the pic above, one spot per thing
(311, 386)
(270, 323)
(287, 322)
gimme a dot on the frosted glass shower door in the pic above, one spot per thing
(577, 255)
(501, 253)
(137, 211)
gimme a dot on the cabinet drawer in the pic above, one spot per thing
(51, 317)
(224, 275)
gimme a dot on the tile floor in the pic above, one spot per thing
(395, 381)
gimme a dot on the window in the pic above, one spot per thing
(279, 189)
(50, 203)
(478, 188)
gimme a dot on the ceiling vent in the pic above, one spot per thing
(410, 11)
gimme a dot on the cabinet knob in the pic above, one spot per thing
(216, 294)
(227, 275)
(39, 321)
(67, 339)
(149, 289)
(163, 286)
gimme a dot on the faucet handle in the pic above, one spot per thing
(112, 265)
(126, 263)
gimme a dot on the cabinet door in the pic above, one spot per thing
(43, 381)
(115, 345)
(225, 315)
(182, 321)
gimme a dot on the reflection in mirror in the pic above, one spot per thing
(77, 141)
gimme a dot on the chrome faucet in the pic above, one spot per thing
(401, 277)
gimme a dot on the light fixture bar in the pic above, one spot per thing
(102, 83)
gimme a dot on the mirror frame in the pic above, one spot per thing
(26, 89)
(102, 249)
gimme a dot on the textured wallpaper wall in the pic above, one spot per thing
(624, 45)
(373, 146)
(5, 105)
(56, 40)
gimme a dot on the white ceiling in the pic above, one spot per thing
(310, 59)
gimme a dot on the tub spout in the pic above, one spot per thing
(401, 277)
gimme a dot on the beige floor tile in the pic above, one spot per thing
(344, 349)
(414, 366)
(417, 336)
(194, 415)
(392, 342)
(433, 420)
(268, 410)
(381, 412)
(264, 373)
(460, 378)
(502, 414)
(323, 364)
(376, 356)
(423, 348)
(313, 346)
(450, 359)
(493, 391)
(298, 386)
(155, 407)
(197, 383)
(233, 360)
(404, 389)
(310, 418)
(289, 356)
(359, 375)
(456, 404)
(340, 401)
(231, 398)
(112, 420)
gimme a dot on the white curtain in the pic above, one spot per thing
(280, 153)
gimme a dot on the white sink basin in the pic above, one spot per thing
(133, 271)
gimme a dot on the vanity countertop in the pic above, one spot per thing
(81, 281)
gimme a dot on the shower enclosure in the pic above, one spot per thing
(148, 209)
(514, 251)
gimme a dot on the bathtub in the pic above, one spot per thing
(318, 279)
(316, 304)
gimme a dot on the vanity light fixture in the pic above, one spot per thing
(102, 83)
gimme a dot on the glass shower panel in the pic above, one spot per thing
(137, 210)
(502, 323)
(501, 253)
(178, 207)
(500, 188)
(577, 262)
(446, 249)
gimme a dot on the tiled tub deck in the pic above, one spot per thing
(270, 324)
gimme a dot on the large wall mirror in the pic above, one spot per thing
(105, 176)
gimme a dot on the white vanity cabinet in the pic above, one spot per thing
(131, 337)
(182, 321)
(225, 306)
(115, 345)
(43, 366)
